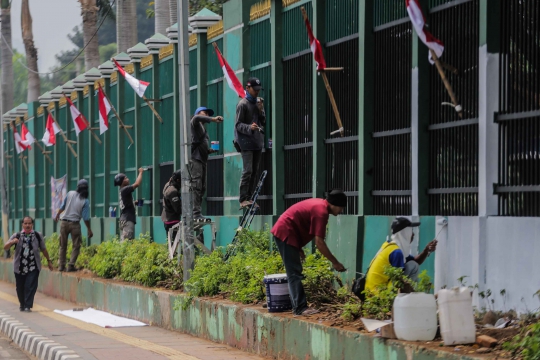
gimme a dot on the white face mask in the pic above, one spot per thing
(403, 240)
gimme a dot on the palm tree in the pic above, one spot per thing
(89, 13)
(162, 18)
(31, 53)
(173, 11)
(7, 58)
(126, 24)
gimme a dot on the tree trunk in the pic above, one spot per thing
(31, 53)
(173, 11)
(126, 24)
(89, 13)
(7, 60)
(161, 17)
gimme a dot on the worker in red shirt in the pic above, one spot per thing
(294, 229)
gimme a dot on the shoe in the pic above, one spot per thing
(27, 310)
(71, 269)
(201, 219)
(307, 312)
(245, 204)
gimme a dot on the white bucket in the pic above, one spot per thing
(415, 317)
(456, 316)
(277, 293)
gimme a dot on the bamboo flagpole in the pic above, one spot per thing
(83, 119)
(18, 146)
(45, 153)
(121, 123)
(66, 140)
(152, 108)
(446, 83)
(314, 43)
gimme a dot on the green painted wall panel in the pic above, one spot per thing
(427, 233)
(341, 18)
(260, 49)
(233, 172)
(376, 229)
(193, 66)
(295, 38)
(342, 239)
(159, 235)
(215, 102)
(385, 11)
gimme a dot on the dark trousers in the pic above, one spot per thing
(26, 286)
(293, 268)
(251, 161)
(74, 229)
(198, 184)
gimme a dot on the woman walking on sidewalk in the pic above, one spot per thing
(27, 262)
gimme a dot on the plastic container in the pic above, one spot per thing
(415, 317)
(215, 145)
(277, 293)
(110, 211)
(456, 316)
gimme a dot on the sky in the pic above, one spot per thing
(52, 21)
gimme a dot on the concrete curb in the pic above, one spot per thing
(246, 328)
(35, 344)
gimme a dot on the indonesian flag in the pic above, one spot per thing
(51, 129)
(19, 147)
(229, 74)
(27, 138)
(419, 22)
(316, 48)
(78, 119)
(104, 108)
(138, 85)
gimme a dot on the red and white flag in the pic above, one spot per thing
(229, 74)
(419, 21)
(104, 108)
(316, 48)
(51, 129)
(138, 85)
(19, 147)
(27, 137)
(79, 121)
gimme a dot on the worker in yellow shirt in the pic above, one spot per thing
(397, 253)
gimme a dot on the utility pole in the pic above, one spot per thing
(3, 184)
(185, 138)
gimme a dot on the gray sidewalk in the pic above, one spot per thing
(93, 342)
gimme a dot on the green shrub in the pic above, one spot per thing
(527, 344)
(107, 262)
(86, 254)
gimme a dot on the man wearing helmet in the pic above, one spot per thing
(74, 207)
(172, 201)
(127, 207)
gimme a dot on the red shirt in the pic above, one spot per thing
(302, 222)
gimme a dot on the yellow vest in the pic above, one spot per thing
(375, 275)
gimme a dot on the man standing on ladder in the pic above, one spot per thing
(294, 229)
(249, 137)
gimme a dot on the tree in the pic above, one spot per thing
(31, 53)
(7, 65)
(162, 17)
(126, 24)
(89, 13)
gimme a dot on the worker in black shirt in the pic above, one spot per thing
(128, 218)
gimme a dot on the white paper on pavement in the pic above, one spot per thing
(100, 318)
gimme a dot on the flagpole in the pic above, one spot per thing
(327, 86)
(446, 83)
(117, 116)
(153, 110)
(66, 140)
(45, 153)
(21, 155)
(86, 122)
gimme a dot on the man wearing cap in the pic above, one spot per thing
(294, 229)
(396, 252)
(128, 218)
(249, 135)
(74, 207)
(199, 156)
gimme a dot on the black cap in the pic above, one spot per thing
(177, 175)
(82, 183)
(337, 197)
(254, 83)
(401, 223)
(119, 179)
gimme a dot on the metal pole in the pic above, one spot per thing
(3, 184)
(185, 138)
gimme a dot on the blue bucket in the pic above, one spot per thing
(277, 293)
